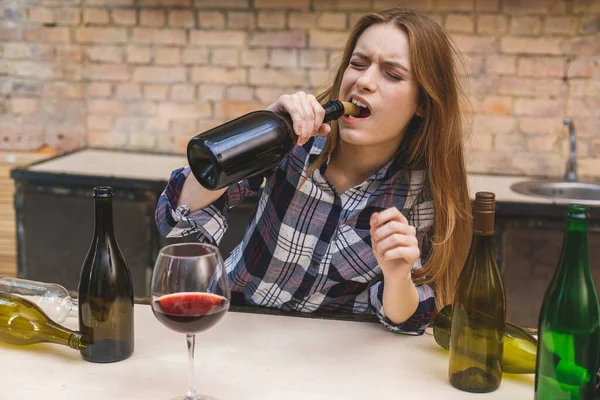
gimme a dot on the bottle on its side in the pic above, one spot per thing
(22, 323)
(52, 298)
(519, 348)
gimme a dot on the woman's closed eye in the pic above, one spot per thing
(358, 65)
(362, 65)
(395, 77)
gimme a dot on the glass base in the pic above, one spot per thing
(197, 397)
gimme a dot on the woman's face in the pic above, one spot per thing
(379, 76)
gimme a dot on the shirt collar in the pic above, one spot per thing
(385, 172)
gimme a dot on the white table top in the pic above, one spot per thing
(110, 163)
(249, 356)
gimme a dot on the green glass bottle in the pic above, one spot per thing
(519, 350)
(478, 309)
(22, 322)
(569, 322)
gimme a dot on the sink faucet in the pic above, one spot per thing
(571, 172)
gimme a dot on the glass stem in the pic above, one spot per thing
(191, 343)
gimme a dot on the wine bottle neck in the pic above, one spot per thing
(104, 217)
(483, 242)
(481, 254)
(53, 332)
(483, 223)
(577, 225)
(574, 255)
(78, 341)
(334, 109)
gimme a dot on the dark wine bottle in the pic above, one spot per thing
(478, 309)
(248, 145)
(22, 322)
(519, 346)
(569, 322)
(105, 290)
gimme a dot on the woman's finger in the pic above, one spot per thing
(392, 228)
(409, 254)
(318, 111)
(288, 104)
(394, 240)
(387, 215)
(302, 103)
(324, 130)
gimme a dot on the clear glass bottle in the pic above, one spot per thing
(52, 298)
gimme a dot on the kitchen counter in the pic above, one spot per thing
(156, 168)
(249, 356)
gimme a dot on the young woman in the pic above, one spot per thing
(366, 214)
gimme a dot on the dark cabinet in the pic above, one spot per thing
(531, 251)
(55, 214)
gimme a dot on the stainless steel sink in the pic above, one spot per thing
(561, 191)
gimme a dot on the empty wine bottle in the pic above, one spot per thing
(253, 143)
(519, 349)
(105, 290)
(53, 299)
(22, 323)
(478, 309)
(569, 321)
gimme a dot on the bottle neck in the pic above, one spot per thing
(483, 243)
(483, 223)
(78, 341)
(56, 333)
(334, 109)
(574, 255)
(104, 218)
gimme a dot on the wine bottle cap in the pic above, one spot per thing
(484, 208)
(484, 202)
(103, 192)
(577, 211)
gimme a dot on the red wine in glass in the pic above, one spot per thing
(190, 312)
(190, 294)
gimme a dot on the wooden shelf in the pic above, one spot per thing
(8, 238)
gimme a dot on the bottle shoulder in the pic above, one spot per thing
(104, 262)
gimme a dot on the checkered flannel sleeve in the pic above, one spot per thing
(208, 224)
(417, 323)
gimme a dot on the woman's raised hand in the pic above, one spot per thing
(394, 243)
(306, 112)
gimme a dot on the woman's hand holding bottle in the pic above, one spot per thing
(306, 112)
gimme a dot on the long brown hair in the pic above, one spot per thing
(434, 139)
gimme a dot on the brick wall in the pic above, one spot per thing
(149, 74)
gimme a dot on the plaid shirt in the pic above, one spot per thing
(308, 248)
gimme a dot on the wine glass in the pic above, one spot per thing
(190, 294)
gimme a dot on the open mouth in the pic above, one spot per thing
(365, 111)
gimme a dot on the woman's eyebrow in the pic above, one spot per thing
(387, 62)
